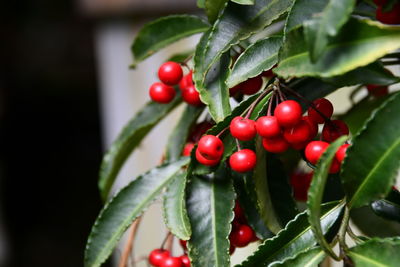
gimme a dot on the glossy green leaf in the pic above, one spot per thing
(316, 192)
(210, 200)
(345, 52)
(129, 203)
(389, 207)
(303, 10)
(129, 138)
(326, 24)
(178, 137)
(308, 258)
(244, 2)
(295, 238)
(174, 208)
(260, 56)
(180, 57)
(376, 253)
(164, 31)
(213, 8)
(369, 171)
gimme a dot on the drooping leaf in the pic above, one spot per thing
(213, 8)
(295, 238)
(244, 2)
(164, 31)
(347, 51)
(369, 171)
(326, 24)
(209, 202)
(389, 207)
(376, 253)
(118, 214)
(129, 138)
(308, 258)
(174, 208)
(260, 56)
(316, 192)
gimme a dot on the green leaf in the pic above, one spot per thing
(308, 258)
(118, 214)
(165, 31)
(326, 24)
(376, 253)
(180, 57)
(347, 51)
(316, 192)
(237, 23)
(260, 56)
(295, 238)
(210, 200)
(129, 138)
(213, 8)
(369, 171)
(388, 208)
(178, 137)
(174, 208)
(201, 3)
(244, 2)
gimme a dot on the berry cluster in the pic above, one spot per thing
(170, 74)
(162, 258)
(387, 11)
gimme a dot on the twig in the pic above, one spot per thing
(129, 243)
(392, 62)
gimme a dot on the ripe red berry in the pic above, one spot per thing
(341, 153)
(172, 262)
(183, 244)
(232, 249)
(324, 106)
(187, 149)
(157, 256)
(335, 166)
(170, 73)
(313, 126)
(298, 133)
(186, 81)
(185, 260)
(276, 144)
(268, 126)
(242, 236)
(210, 147)
(252, 85)
(243, 160)
(288, 113)
(300, 183)
(161, 93)
(234, 90)
(389, 17)
(299, 146)
(204, 161)
(191, 96)
(242, 128)
(239, 215)
(314, 150)
(268, 73)
(333, 130)
(377, 90)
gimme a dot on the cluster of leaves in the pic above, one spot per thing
(319, 46)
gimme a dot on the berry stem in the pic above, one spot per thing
(343, 228)
(165, 240)
(129, 243)
(271, 100)
(169, 242)
(392, 55)
(221, 132)
(391, 62)
(253, 105)
(238, 144)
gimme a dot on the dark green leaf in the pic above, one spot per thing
(308, 258)
(164, 31)
(303, 10)
(316, 192)
(180, 57)
(369, 171)
(388, 208)
(295, 238)
(175, 214)
(210, 201)
(213, 8)
(129, 138)
(260, 56)
(118, 214)
(376, 253)
(244, 2)
(347, 51)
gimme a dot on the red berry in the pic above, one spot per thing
(185, 260)
(183, 243)
(234, 90)
(252, 85)
(389, 17)
(172, 262)
(204, 161)
(268, 126)
(239, 215)
(268, 73)
(299, 146)
(170, 73)
(187, 149)
(300, 183)
(199, 130)
(333, 130)
(313, 126)
(341, 153)
(242, 236)
(243, 160)
(232, 249)
(161, 93)
(335, 166)
(314, 150)
(288, 113)
(186, 81)
(276, 144)
(324, 106)
(242, 128)
(380, 2)
(191, 96)
(298, 133)
(157, 256)
(377, 90)
(210, 147)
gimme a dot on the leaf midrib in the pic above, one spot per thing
(314, 259)
(354, 254)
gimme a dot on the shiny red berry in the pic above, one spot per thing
(341, 153)
(242, 236)
(232, 249)
(377, 90)
(324, 106)
(288, 113)
(276, 144)
(243, 160)
(172, 262)
(242, 128)
(298, 133)
(335, 166)
(185, 260)
(314, 151)
(268, 126)
(389, 17)
(239, 215)
(313, 126)
(204, 161)
(333, 130)
(186, 81)
(251, 86)
(161, 93)
(210, 147)
(170, 73)
(187, 149)
(301, 183)
(299, 146)
(157, 256)
(191, 96)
